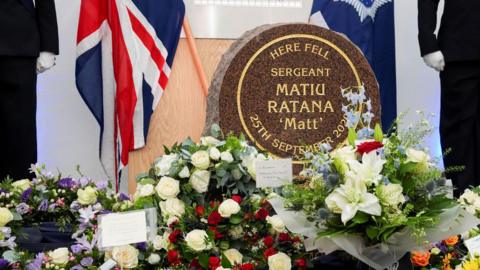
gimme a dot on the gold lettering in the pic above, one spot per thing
(272, 106)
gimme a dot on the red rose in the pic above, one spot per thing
(214, 218)
(268, 241)
(296, 239)
(237, 198)
(269, 252)
(284, 237)
(174, 235)
(261, 214)
(247, 266)
(200, 210)
(300, 263)
(195, 265)
(173, 257)
(213, 204)
(214, 263)
(368, 147)
(218, 234)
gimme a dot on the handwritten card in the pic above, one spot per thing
(274, 173)
(473, 245)
(118, 229)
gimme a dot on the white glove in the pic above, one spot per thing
(435, 60)
(45, 61)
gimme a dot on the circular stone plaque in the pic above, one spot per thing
(284, 86)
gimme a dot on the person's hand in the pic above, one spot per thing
(45, 61)
(435, 60)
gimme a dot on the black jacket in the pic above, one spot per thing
(27, 29)
(459, 34)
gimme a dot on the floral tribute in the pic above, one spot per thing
(373, 190)
(452, 253)
(210, 215)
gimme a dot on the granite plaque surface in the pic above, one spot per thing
(282, 85)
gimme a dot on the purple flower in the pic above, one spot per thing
(123, 197)
(22, 208)
(84, 181)
(52, 207)
(86, 261)
(43, 205)
(26, 194)
(66, 183)
(142, 246)
(77, 248)
(4, 264)
(77, 267)
(101, 185)
(36, 264)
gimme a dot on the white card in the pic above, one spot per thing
(118, 229)
(473, 245)
(274, 173)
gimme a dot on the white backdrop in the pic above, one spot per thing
(68, 133)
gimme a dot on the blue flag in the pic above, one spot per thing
(370, 25)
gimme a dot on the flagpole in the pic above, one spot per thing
(195, 57)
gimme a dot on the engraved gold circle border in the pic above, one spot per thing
(264, 47)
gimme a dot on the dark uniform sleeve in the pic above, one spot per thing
(427, 23)
(47, 25)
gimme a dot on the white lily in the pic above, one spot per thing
(352, 197)
(368, 170)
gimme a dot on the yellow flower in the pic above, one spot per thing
(471, 264)
(446, 262)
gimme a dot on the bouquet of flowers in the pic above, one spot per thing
(452, 253)
(374, 194)
(211, 214)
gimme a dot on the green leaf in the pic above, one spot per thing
(203, 260)
(372, 232)
(236, 219)
(361, 218)
(378, 134)
(215, 130)
(141, 176)
(146, 181)
(226, 262)
(352, 136)
(16, 216)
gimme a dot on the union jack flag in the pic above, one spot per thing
(125, 50)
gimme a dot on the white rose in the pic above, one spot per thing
(59, 256)
(161, 242)
(279, 261)
(201, 160)
(172, 207)
(277, 223)
(214, 153)
(197, 240)
(162, 167)
(87, 196)
(184, 173)
(236, 232)
(227, 157)
(200, 181)
(153, 258)
(5, 216)
(209, 141)
(221, 268)
(167, 188)
(344, 155)
(125, 256)
(390, 194)
(469, 197)
(234, 256)
(237, 174)
(144, 190)
(228, 208)
(417, 156)
(22, 185)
